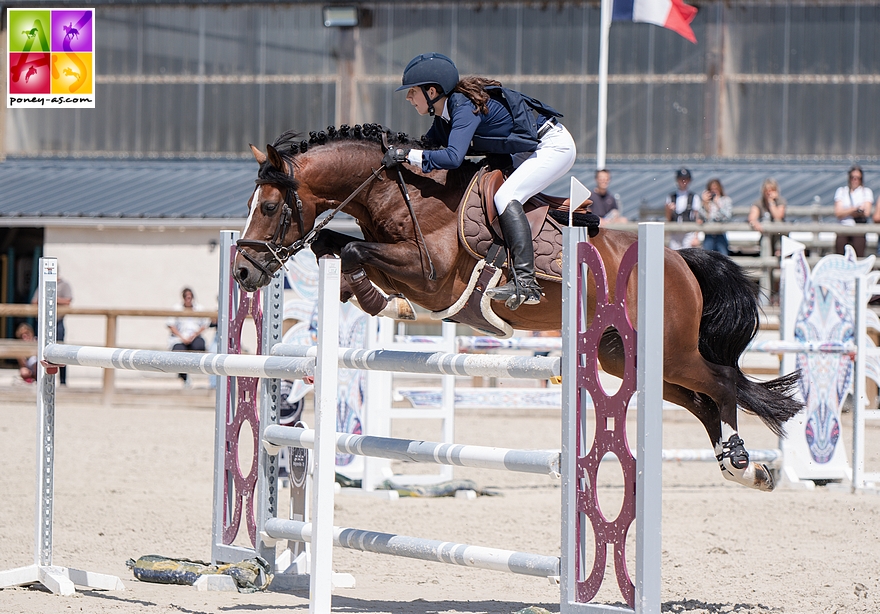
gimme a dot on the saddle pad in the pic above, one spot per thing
(476, 236)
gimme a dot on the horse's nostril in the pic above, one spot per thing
(241, 274)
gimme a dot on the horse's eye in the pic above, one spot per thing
(269, 207)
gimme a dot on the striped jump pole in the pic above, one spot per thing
(435, 363)
(235, 365)
(423, 549)
(544, 462)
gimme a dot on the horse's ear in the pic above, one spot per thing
(275, 158)
(259, 156)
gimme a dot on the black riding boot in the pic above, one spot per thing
(521, 286)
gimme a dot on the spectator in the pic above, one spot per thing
(27, 367)
(682, 205)
(64, 297)
(769, 208)
(717, 207)
(852, 205)
(186, 332)
(605, 204)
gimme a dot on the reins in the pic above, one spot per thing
(420, 240)
(282, 253)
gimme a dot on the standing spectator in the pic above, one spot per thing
(604, 202)
(682, 205)
(769, 208)
(63, 298)
(186, 332)
(852, 205)
(717, 207)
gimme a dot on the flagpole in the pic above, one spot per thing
(605, 27)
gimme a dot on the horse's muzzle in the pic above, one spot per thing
(249, 276)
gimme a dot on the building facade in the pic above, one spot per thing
(782, 80)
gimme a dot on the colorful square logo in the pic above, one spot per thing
(50, 58)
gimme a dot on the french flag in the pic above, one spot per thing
(672, 14)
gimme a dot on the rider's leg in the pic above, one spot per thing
(535, 171)
(522, 286)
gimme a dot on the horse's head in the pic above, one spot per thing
(277, 220)
(299, 180)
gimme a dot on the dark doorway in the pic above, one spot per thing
(20, 251)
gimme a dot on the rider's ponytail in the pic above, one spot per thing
(474, 88)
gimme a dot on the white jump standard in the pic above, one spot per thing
(59, 580)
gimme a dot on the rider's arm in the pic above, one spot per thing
(464, 124)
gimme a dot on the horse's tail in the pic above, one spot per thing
(727, 326)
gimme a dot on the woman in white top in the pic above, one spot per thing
(186, 332)
(852, 205)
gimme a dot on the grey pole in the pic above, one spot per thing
(649, 438)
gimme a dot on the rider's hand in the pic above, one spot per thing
(394, 156)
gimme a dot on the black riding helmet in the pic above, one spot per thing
(430, 69)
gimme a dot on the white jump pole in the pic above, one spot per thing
(859, 396)
(326, 382)
(59, 580)
(434, 363)
(649, 438)
(542, 462)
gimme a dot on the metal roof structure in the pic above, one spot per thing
(647, 184)
(62, 192)
(68, 192)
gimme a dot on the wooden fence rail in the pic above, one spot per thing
(15, 348)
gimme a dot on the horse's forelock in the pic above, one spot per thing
(278, 176)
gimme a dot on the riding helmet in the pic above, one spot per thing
(430, 69)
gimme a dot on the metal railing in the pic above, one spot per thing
(754, 250)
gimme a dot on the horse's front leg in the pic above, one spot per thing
(396, 260)
(331, 243)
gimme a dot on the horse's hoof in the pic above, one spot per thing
(755, 475)
(399, 308)
(764, 478)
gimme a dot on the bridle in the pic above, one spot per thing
(274, 246)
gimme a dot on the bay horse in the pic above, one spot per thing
(710, 305)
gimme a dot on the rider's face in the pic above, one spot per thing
(417, 99)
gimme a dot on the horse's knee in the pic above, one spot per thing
(353, 257)
(321, 249)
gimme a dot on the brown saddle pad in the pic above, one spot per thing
(478, 226)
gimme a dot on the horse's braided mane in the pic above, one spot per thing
(290, 144)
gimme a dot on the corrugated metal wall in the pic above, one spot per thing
(779, 80)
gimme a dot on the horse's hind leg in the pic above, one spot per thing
(702, 388)
(708, 391)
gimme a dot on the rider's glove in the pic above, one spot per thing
(394, 156)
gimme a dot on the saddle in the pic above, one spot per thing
(479, 232)
(479, 228)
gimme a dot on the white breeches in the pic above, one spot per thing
(535, 170)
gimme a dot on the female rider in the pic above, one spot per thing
(477, 116)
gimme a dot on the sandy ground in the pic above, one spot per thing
(135, 479)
